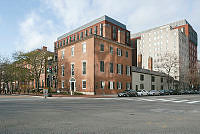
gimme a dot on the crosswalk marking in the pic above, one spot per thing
(174, 100)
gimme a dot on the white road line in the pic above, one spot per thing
(166, 100)
(146, 99)
(192, 102)
(180, 101)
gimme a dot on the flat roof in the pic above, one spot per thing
(173, 24)
(92, 23)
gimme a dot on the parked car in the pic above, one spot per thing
(142, 92)
(154, 92)
(128, 93)
(164, 92)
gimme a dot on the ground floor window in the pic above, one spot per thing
(102, 84)
(141, 86)
(152, 87)
(119, 85)
(83, 84)
(128, 86)
(136, 87)
(111, 85)
(62, 84)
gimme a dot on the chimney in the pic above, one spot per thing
(44, 48)
(140, 60)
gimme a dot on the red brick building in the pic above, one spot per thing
(95, 58)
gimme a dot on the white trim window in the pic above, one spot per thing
(102, 84)
(119, 85)
(128, 70)
(63, 54)
(72, 51)
(119, 52)
(84, 65)
(72, 69)
(111, 85)
(62, 70)
(128, 85)
(84, 47)
(83, 84)
(62, 84)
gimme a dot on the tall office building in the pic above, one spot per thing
(178, 38)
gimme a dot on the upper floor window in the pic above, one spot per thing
(63, 54)
(70, 39)
(141, 77)
(84, 67)
(84, 47)
(90, 31)
(127, 37)
(119, 85)
(127, 54)
(101, 29)
(119, 68)
(101, 66)
(81, 35)
(72, 69)
(60, 43)
(66, 41)
(74, 38)
(114, 33)
(95, 30)
(72, 51)
(63, 42)
(102, 47)
(153, 78)
(77, 36)
(86, 33)
(111, 50)
(128, 70)
(111, 67)
(119, 52)
(62, 70)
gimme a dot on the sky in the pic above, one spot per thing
(29, 24)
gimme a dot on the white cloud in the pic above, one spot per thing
(67, 15)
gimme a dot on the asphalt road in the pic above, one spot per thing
(135, 115)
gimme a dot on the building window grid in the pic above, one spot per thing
(84, 67)
(101, 66)
(84, 84)
(72, 69)
(101, 47)
(84, 47)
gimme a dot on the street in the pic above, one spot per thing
(79, 115)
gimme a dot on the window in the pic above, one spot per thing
(60, 43)
(77, 36)
(81, 35)
(101, 66)
(63, 42)
(57, 44)
(141, 86)
(127, 54)
(136, 87)
(102, 84)
(111, 50)
(115, 33)
(111, 67)
(72, 51)
(161, 87)
(83, 84)
(62, 84)
(119, 85)
(66, 41)
(119, 52)
(95, 30)
(84, 67)
(70, 39)
(63, 54)
(84, 47)
(128, 86)
(86, 33)
(119, 68)
(152, 87)
(101, 29)
(110, 85)
(141, 77)
(128, 70)
(161, 80)
(102, 48)
(72, 69)
(62, 70)
(74, 38)
(90, 31)
(153, 78)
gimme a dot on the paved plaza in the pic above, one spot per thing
(81, 115)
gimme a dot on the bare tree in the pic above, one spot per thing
(168, 63)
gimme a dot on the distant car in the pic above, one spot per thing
(154, 92)
(128, 93)
(164, 92)
(142, 92)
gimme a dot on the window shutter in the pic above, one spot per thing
(109, 85)
(121, 69)
(117, 51)
(113, 85)
(117, 85)
(121, 52)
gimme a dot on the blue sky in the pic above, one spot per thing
(29, 24)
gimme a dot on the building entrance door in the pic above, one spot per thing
(72, 85)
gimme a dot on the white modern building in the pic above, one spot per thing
(154, 43)
(150, 80)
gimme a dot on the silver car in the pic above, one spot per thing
(154, 92)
